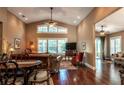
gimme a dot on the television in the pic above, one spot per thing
(71, 46)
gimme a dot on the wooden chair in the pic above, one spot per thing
(4, 57)
(8, 76)
(40, 75)
(12, 74)
(55, 64)
(3, 73)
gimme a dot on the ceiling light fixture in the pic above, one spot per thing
(102, 32)
(20, 13)
(51, 23)
(74, 21)
(26, 18)
(78, 17)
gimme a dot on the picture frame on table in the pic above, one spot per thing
(17, 43)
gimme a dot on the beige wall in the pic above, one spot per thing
(12, 28)
(1, 28)
(15, 29)
(86, 31)
(31, 30)
(3, 19)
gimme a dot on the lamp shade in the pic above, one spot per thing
(102, 33)
(11, 49)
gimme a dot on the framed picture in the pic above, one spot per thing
(17, 43)
(83, 44)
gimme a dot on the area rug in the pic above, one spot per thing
(67, 65)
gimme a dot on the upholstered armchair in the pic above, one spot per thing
(78, 58)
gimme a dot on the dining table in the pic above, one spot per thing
(25, 66)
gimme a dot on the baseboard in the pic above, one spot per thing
(89, 66)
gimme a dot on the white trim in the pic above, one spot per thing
(89, 66)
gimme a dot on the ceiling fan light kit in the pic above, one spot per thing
(51, 23)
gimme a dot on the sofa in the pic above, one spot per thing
(118, 58)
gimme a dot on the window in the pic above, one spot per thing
(62, 29)
(42, 46)
(115, 44)
(52, 29)
(61, 46)
(42, 28)
(98, 47)
(55, 29)
(52, 45)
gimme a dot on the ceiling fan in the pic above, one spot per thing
(51, 23)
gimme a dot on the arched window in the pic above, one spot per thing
(54, 29)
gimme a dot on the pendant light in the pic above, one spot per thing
(102, 32)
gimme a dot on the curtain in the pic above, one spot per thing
(102, 47)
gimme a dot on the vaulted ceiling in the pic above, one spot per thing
(68, 15)
(112, 23)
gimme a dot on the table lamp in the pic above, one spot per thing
(11, 50)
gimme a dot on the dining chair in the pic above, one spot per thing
(12, 73)
(4, 57)
(3, 73)
(55, 64)
(40, 75)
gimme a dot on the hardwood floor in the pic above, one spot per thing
(105, 73)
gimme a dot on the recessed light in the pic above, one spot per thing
(20, 13)
(78, 17)
(26, 18)
(74, 21)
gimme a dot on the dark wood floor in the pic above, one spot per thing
(104, 74)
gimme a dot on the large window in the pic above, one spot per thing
(61, 45)
(115, 44)
(42, 45)
(98, 47)
(52, 45)
(47, 29)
